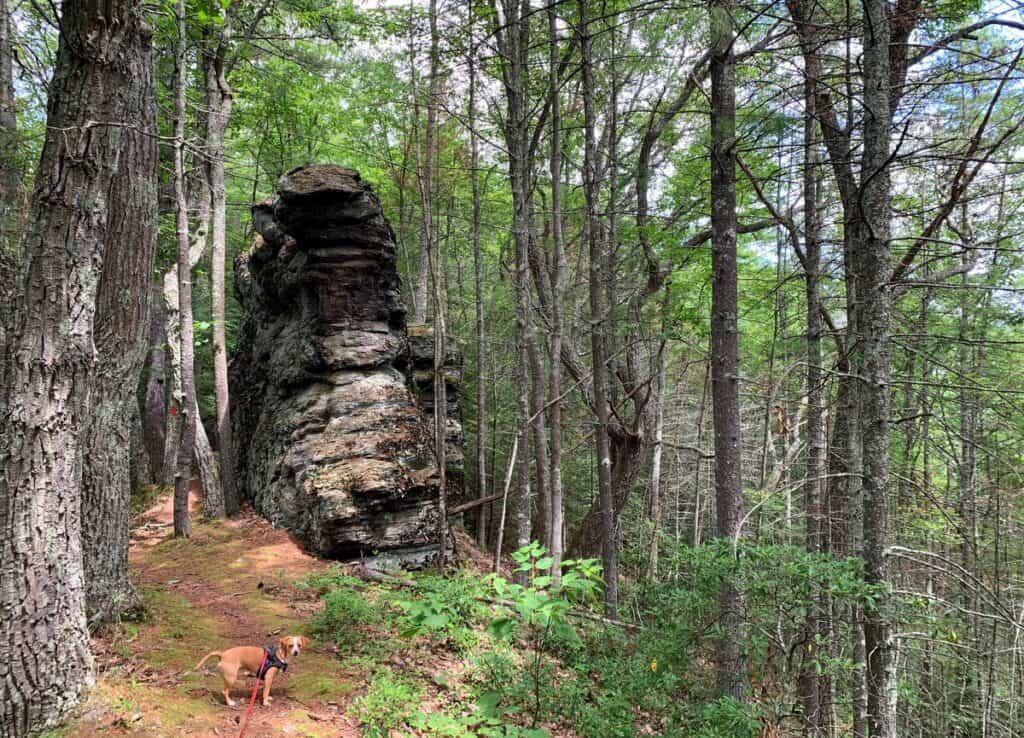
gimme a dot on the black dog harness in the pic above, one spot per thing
(271, 661)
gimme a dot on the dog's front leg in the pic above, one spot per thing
(268, 680)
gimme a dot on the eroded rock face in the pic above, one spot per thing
(332, 444)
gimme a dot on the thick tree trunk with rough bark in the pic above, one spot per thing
(120, 339)
(873, 269)
(99, 76)
(731, 664)
(513, 41)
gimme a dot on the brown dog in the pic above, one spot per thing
(250, 659)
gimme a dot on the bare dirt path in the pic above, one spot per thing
(231, 583)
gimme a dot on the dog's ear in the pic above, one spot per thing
(303, 641)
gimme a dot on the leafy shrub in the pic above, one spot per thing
(345, 609)
(446, 609)
(543, 611)
(388, 703)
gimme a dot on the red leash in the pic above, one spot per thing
(255, 689)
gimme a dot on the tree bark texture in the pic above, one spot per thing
(154, 403)
(873, 269)
(186, 407)
(514, 46)
(725, 336)
(11, 190)
(120, 332)
(95, 116)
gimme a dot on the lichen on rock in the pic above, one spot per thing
(332, 443)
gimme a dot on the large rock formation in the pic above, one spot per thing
(332, 442)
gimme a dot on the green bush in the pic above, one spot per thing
(345, 609)
(388, 703)
(446, 609)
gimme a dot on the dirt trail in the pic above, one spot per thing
(231, 583)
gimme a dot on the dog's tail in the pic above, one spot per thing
(207, 656)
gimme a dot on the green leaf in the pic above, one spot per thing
(501, 628)
(487, 704)
(436, 620)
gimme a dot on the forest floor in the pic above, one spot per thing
(236, 582)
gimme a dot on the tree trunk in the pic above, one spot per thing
(186, 403)
(11, 190)
(426, 238)
(219, 100)
(100, 74)
(656, 456)
(139, 466)
(725, 337)
(873, 270)
(539, 426)
(434, 265)
(483, 517)
(120, 333)
(514, 47)
(556, 535)
(599, 322)
(815, 687)
(154, 428)
(209, 472)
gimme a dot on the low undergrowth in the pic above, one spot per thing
(476, 656)
(465, 655)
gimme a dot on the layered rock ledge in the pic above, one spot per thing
(332, 444)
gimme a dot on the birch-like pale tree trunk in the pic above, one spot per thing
(556, 534)
(219, 101)
(184, 402)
